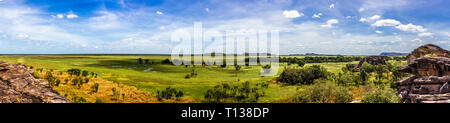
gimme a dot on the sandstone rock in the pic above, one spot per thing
(373, 60)
(430, 66)
(17, 85)
(428, 50)
(426, 66)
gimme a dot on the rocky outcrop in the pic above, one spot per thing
(430, 67)
(373, 60)
(17, 85)
(428, 50)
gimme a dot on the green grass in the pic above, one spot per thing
(124, 69)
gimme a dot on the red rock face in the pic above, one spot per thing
(430, 66)
(17, 85)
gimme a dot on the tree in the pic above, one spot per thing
(140, 61)
(363, 75)
(85, 73)
(348, 68)
(366, 67)
(384, 95)
(379, 70)
(307, 75)
(237, 67)
(146, 61)
(324, 91)
(300, 63)
(95, 87)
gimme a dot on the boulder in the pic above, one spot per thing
(17, 85)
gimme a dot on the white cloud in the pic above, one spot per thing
(361, 9)
(159, 13)
(162, 28)
(330, 23)
(379, 32)
(22, 36)
(207, 9)
(386, 22)
(363, 19)
(292, 14)
(106, 20)
(417, 40)
(60, 16)
(331, 6)
(411, 28)
(425, 34)
(375, 17)
(317, 15)
(71, 16)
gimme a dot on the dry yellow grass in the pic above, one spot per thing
(105, 94)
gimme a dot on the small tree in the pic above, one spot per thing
(237, 67)
(95, 87)
(57, 82)
(140, 61)
(85, 73)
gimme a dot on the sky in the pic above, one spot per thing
(347, 27)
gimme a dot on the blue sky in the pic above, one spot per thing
(349, 27)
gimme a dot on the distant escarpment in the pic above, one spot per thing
(393, 54)
(430, 66)
(17, 85)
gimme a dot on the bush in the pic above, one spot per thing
(73, 71)
(95, 87)
(385, 95)
(98, 100)
(226, 93)
(166, 61)
(169, 93)
(324, 92)
(57, 82)
(307, 75)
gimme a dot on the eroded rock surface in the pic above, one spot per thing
(430, 66)
(17, 85)
(428, 50)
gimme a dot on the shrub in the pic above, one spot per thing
(324, 92)
(95, 87)
(36, 75)
(169, 93)
(366, 67)
(237, 67)
(57, 82)
(385, 95)
(85, 73)
(98, 100)
(226, 93)
(166, 61)
(73, 71)
(307, 75)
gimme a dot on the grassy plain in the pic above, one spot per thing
(124, 70)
